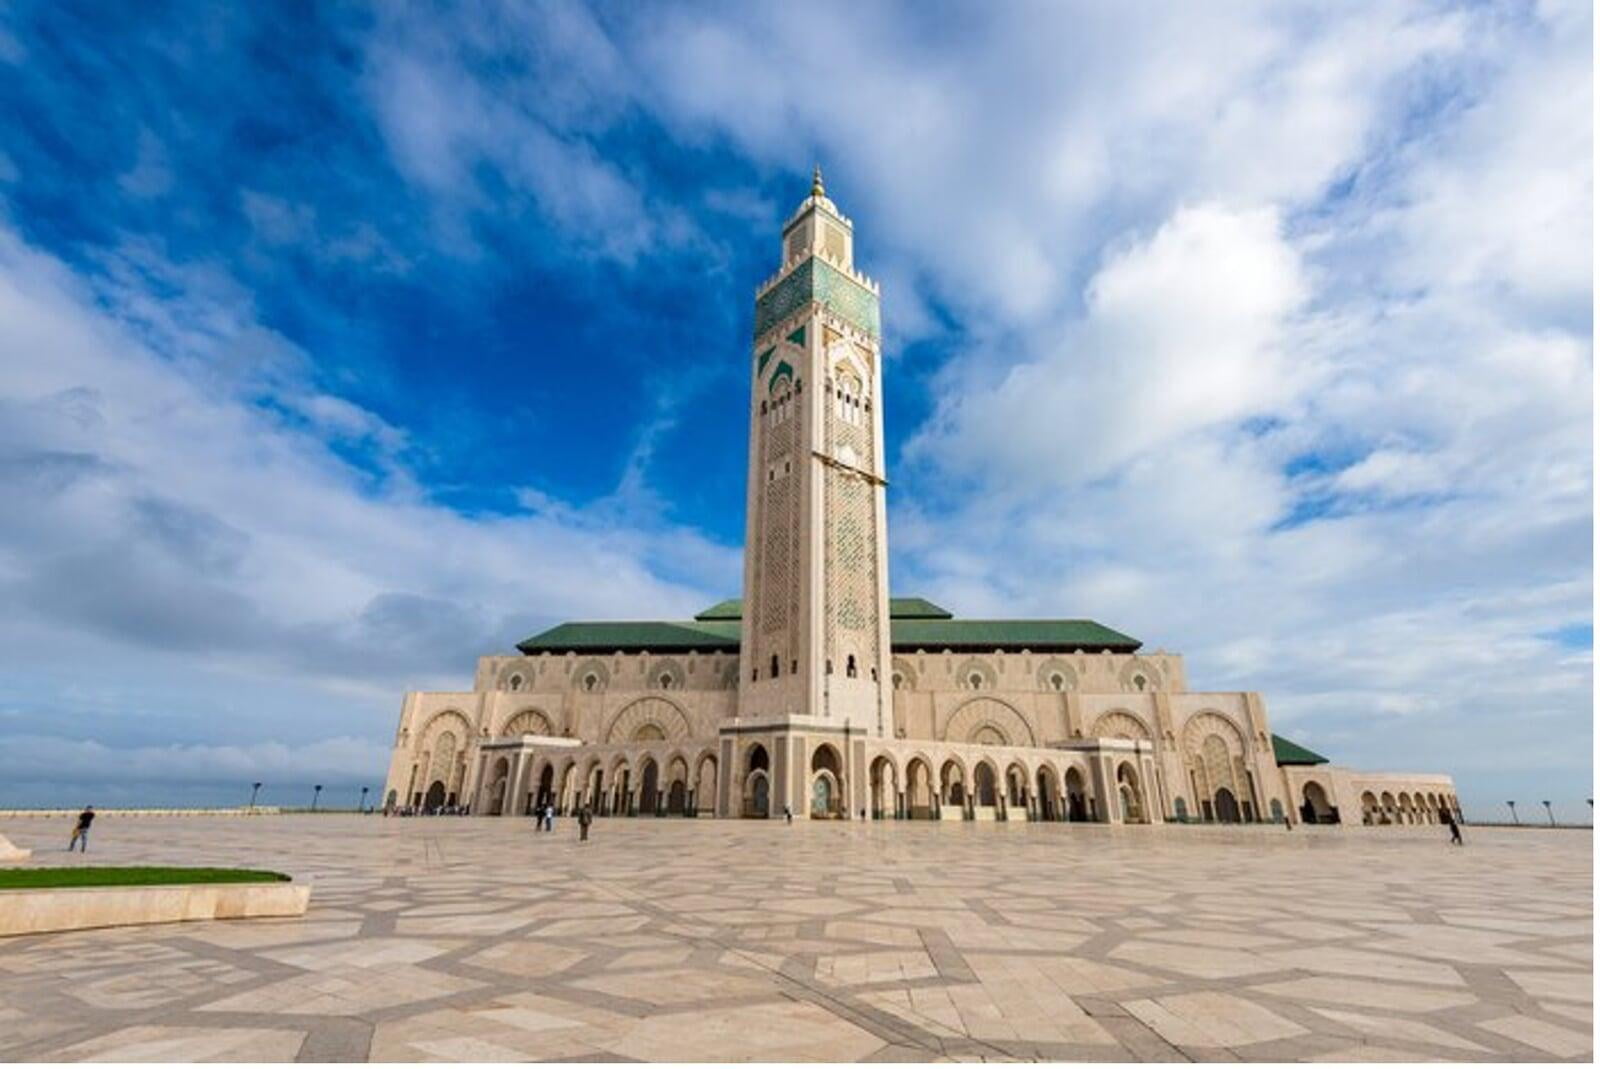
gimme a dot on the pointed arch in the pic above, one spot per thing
(529, 721)
(1120, 724)
(969, 720)
(665, 715)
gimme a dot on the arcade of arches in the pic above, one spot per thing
(818, 696)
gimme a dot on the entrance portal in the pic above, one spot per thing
(822, 793)
(1226, 806)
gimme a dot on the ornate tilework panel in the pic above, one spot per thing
(847, 299)
(797, 242)
(833, 240)
(816, 280)
(852, 563)
(444, 757)
(776, 587)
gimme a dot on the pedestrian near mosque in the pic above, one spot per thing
(80, 831)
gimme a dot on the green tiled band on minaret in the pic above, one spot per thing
(817, 280)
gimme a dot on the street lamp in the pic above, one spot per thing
(363, 807)
(255, 789)
(1550, 813)
(1513, 806)
(315, 793)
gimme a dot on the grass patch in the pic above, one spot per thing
(142, 876)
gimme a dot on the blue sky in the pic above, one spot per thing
(338, 346)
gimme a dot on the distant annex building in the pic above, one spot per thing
(820, 694)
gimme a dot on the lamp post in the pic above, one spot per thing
(315, 793)
(363, 807)
(255, 788)
(1549, 813)
(1513, 806)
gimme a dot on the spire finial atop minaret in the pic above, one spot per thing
(816, 182)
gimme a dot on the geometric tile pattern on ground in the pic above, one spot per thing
(446, 939)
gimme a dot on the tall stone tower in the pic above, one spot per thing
(815, 642)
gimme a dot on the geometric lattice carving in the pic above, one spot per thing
(851, 534)
(1214, 754)
(1209, 723)
(1120, 725)
(528, 722)
(636, 719)
(444, 757)
(988, 721)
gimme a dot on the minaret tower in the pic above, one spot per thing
(815, 641)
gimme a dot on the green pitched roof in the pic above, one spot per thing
(1292, 753)
(916, 609)
(914, 624)
(732, 609)
(627, 636)
(1063, 635)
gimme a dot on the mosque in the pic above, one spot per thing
(819, 695)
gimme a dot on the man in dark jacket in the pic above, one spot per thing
(80, 832)
(583, 824)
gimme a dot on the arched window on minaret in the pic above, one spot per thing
(774, 666)
(850, 666)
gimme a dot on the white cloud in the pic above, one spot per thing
(996, 153)
(157, 513)
(1388, 553)
(1181, 332)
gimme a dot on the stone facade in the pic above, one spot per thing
(819, 696)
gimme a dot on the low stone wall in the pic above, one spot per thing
(67, 909)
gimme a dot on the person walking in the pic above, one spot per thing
(1455, 830)
(788, 815)
(80, 831)
(583, 824)
(549, 816)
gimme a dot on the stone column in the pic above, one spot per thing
(508, 799)
(726, 776)
(1156, 806)
(796, 784)
(1104, 787)
(778, 777)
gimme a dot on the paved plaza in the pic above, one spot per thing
(476, 939)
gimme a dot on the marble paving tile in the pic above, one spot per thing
(474, 939)
(1550, 1038)
(1370, 993)
(1400, 1030)
(1545, 983)
(773, 1032)
(151, 1043)
(1211, 1019)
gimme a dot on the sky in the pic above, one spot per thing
(341, 344)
